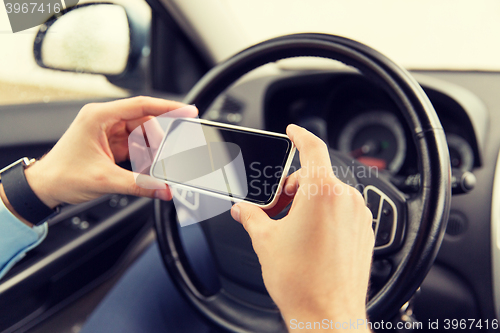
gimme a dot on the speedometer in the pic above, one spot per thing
(375, 138)
(461, 153)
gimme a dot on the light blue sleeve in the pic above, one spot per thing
(16, 238)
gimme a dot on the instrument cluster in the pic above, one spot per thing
(358, 118)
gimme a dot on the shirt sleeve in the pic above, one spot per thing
(16, 238)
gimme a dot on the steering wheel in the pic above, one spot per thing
(409, 229)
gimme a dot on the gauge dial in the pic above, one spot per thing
(375, 138)
(461, 153)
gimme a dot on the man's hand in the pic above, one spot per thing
(316, 260)
(82, 165)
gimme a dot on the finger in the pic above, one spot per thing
(143, 144)
(286, 195)
(134, 123)
(140, 155)
(291, 184)
(154, 132)
(311, 148)
(125, 182)
(314, 156)
(138, 107)
(151, 130)
(250, 216)
(144, 141)
(187, 111)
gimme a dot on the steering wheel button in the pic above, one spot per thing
(386, 225)
(384, 236)
(373, 202)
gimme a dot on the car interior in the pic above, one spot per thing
(429, 133)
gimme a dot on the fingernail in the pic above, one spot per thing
(235, 213)
(290, 128)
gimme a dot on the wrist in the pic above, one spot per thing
(7, 204)
(41, 184)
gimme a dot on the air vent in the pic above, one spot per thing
(226, 109)
(231, 104)
(457, 224)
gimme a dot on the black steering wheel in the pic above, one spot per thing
(409, 229)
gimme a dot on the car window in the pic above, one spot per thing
(23, 81)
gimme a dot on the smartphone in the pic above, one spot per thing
(225, 161)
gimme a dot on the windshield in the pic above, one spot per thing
(418, 34)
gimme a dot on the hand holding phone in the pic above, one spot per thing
(322, 249)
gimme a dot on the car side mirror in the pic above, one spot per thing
(93, 38)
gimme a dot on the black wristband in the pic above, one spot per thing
(22, 198)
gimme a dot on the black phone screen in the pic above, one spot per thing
(234, 162)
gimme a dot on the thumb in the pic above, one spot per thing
(250, 216)
(126, 182)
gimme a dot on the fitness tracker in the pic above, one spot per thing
(20, 195)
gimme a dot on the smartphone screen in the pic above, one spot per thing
(226, 160)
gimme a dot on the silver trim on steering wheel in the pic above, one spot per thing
(376, 219)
